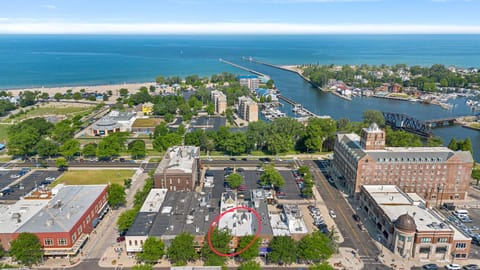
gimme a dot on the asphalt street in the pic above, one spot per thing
(353, 236)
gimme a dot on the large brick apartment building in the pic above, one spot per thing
(179, 169)
(435, 173)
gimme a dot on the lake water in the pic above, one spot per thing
(58, 60)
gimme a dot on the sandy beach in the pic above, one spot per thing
(132, 88)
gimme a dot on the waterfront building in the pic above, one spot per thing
(408, 228)
(435, 173)
(115, 121)
(247, 109)
(219, 101)
(179, 169)
(250, 81)
(62, 223)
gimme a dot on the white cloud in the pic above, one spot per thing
(49, 6)
(230, 28)
(4, 19)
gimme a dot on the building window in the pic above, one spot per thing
(424, 250)
(88, 220)
(441, 250)
(409, 239)
(136, 243)
(79, 230)
(425, 240)
(401, 237)
(460, 255)
(48, 242)
(442, 240)
(129, 242)
(461, 245)
(74, 237)
(62, 241)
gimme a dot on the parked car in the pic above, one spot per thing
(15, 176)
(122, 238)
(471, 267)
(430, 266)
(356, 217)
(244, 159)
(7, 191)
(361, 227)
(242, 187)
(240, 170)
(281, 195)
(453, 266)
(50, 179)
(332, 214)
(466, 219)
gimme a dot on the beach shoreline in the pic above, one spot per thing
(101, 88)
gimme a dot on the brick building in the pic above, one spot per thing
(247, 109)
(63, 223)
(179, 169)
(435, 173)
(219, 101)
(250, 81)
(408, 228)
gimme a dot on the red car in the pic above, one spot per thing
(120, 239)
(242, 188)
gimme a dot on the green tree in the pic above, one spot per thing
(234, 180)
(70, 148)
(317, 131)
(116, 195)
(126, 219)
(453, 144)
(476, 174)
(270, 84)
(63, 131)
(28, 98)
(123, 92)
(61, 162)
(89, 150)
(58, 96)
(137, 149)
(26, 249)
(252, 251)
(162, 143)
(46, 148)
(374, 116)
(467, 145)
(161, 130)
(284, 250)
(182, 249)
(315, 247)
(77, 96)
(23, 142)
(220, 241)
(168, 117)
(434, 142)
(250, 265)
(142, 267)
(111, 145)
(160, 80)
(322, 266)
(153, 250)
(272, 177)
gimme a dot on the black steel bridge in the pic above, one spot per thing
(420, 127)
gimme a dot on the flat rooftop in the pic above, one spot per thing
(13, 216)
(294, 218)
(178, 159)
(154, 200)
(395, 203)
(64, 209)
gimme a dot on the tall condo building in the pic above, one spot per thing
(250, 81)
(247, 109)
(219, 101)
(435, 173)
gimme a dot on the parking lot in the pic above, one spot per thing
(250, 180)
(28, 184)
(6, 177)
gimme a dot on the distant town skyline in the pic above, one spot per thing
(239, 16)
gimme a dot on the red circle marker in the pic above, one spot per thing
(215, 222)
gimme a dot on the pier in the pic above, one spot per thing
(245, 68)
(298, 108)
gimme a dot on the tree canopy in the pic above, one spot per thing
(271, 177)
(373, 116)
(284, 250)
(152, 250)
(315, 247)
(252, 251)
(220, 240)
(116, 195)
(182, 249)
(26, 249)
(234, 180)
(126, 219)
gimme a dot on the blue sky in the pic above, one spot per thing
(240, 16)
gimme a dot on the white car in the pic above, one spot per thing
(15, 176)
(50, 179)
(453, 266)
(332, 214)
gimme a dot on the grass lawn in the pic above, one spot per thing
(53, 109)
(94, 177)
(146, 122)
(3, 132)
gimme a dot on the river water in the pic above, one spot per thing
(323, 103)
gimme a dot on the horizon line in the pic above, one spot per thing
(225, 28)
